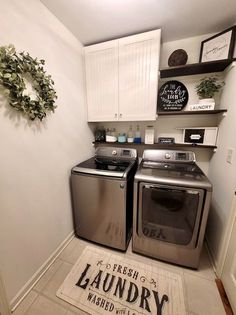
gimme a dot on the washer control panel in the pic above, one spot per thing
(117, 153)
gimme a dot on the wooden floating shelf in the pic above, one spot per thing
(196, 68)
(194, 112)
(153, 146)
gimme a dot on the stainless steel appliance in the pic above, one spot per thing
(102, 193)
(171, 204)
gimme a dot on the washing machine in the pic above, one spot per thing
(102, 194)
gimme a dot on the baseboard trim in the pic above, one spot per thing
(4, 307)
(224, 298)
(211, 256)
(39, 273)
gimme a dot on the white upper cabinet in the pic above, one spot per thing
(101, 68)
(122, 78)
(138, 76)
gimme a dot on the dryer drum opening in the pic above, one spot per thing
(167, 203)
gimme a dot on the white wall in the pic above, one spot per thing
(35, 159)
(223, 175)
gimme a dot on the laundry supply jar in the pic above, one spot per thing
(149, 135)
(122, 138)
(137, 138)
(130, 135)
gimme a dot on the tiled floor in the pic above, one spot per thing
(201, 295)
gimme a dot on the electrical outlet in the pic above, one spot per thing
(230, 154)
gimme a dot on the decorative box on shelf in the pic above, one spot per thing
(200, 135)
(166, 140)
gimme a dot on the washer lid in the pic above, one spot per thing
(104, 167)
(189, 175)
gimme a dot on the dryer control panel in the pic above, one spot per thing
(169, 156)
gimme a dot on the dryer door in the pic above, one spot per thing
(170, 214)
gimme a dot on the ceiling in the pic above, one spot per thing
(93, 21)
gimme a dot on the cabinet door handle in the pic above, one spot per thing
(115, 116)
(120, 115)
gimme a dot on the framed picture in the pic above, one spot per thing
(219, 46)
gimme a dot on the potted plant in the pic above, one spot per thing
(207, 88)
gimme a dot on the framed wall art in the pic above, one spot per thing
(219, 46)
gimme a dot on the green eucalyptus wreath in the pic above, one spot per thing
(14, 68)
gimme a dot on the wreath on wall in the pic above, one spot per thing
(17, 72)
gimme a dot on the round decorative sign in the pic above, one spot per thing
(178, 57)
(173, 96)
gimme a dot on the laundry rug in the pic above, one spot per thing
(103, 283)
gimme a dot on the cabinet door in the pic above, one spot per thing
(101, 67)
(138, 76)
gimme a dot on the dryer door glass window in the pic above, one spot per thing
(170, 215)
